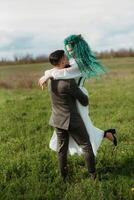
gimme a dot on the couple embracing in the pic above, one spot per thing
(74, 131)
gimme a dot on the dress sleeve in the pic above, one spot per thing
(47, 75)
(67, 73)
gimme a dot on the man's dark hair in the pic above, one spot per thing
(56, 56)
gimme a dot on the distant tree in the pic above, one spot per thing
(29, 58)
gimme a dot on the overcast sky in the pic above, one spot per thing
(40, 26)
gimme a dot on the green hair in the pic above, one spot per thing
(84, 57)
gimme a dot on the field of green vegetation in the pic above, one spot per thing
(28, 168)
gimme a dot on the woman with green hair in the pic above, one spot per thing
(83, 65)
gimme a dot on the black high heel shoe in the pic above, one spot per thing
(113, 131)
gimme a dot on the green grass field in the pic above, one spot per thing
(28, 168)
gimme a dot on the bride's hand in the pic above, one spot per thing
(44, 79)
(42, 82)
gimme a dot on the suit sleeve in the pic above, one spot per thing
(76, 92)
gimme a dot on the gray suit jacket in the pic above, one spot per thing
(63, 97)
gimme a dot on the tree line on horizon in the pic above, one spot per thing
(29, 58)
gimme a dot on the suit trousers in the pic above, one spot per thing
(81, 137)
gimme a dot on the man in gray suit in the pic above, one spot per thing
(65, 117)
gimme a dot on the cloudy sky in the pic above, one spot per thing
(40, 26)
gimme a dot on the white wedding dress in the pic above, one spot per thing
(95, 134)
